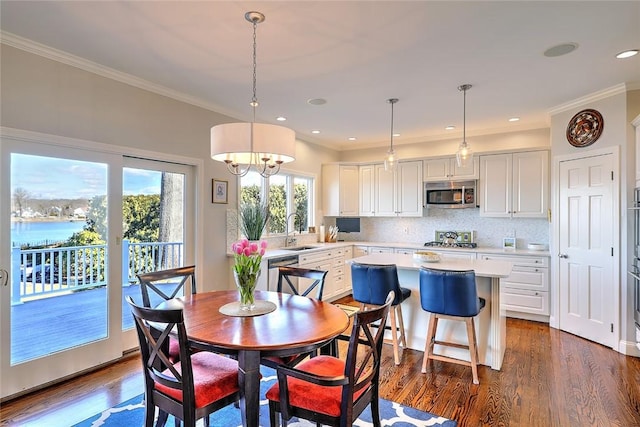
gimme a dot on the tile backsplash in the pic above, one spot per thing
(489, 232)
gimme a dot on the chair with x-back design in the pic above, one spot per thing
(162, 285)
(189, 389)
(328, 390)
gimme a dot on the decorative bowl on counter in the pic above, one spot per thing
(426, 256)
(536, 246)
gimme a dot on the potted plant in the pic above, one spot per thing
(253, 219)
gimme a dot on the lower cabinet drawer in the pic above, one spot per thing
(535, 279)
(525, 301)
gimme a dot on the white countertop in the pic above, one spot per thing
(481, 267)
(278, 252)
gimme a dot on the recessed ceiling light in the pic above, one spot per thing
(396, 134)
(561, 49)
(514, 119)
(317, 101)
(315, 131)
(352, 138)
(281, 119)
(450, 127)
(627, 54)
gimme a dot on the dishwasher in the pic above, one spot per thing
(272, 266)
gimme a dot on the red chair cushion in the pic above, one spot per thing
(214, 377)
(174, 350)
(322, 399)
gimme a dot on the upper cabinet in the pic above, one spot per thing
(447, 169)
(340, 190)
(399, 193)
(514, 185)
(367, 190)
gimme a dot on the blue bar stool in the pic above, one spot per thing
(450, 295)
(371, 285)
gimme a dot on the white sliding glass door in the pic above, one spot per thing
(76, 226)
(57, 306)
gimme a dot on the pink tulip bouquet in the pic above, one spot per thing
(246, 270)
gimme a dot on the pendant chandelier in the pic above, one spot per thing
(243, 145)
(391, 160)
(464, 155)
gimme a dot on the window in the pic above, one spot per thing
(286, 194)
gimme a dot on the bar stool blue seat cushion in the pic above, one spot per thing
(372, 283)
(452, 293)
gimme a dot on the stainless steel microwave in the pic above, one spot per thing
(450, 194)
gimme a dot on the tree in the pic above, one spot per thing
(171, 202)
(141, 217)
(20, 198)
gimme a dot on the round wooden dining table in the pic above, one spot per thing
(297, 325)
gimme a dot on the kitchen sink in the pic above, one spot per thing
(299, 248)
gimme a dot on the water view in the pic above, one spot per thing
(38, 232)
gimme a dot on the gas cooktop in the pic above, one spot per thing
(452, 245)
(453, 239)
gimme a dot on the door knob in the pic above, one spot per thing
(563, 256)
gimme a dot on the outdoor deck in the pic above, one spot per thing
(52, 324)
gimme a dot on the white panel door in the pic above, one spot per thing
(587, 285)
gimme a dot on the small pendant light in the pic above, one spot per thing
(464, 155)
(391, 160)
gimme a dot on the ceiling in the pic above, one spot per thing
(353, 54)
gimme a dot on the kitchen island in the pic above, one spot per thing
(490, 323)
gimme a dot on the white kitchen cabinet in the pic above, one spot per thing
(526, 290)
(367, 189)
(446, 169)
(359, 251)
(399, 193)
(348, 254)
(455, 254)
(340, 190)
(404, 251)
(336, 283)
(379, 250)
(514, 185)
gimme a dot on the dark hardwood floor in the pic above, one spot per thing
(549, 378)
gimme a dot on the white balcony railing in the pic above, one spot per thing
(45, 272)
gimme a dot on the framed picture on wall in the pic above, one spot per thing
(509, 243)
(219, 191)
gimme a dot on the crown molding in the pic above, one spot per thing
(596, 96)
(48, 52)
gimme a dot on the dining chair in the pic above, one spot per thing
(285, 283)
(450, 295)
(190, 389)
(290, 279)
(371, 283)
(162, 285)
(328, 390)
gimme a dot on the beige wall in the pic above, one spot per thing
(537, 138)
(42, 95)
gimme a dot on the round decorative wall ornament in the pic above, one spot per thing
(585, 128)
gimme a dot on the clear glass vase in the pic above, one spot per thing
(246, 283)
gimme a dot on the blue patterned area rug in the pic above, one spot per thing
(131, 414)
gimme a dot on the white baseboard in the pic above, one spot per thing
(528, 316)
(629, 348)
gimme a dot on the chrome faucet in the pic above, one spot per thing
(292, 240)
